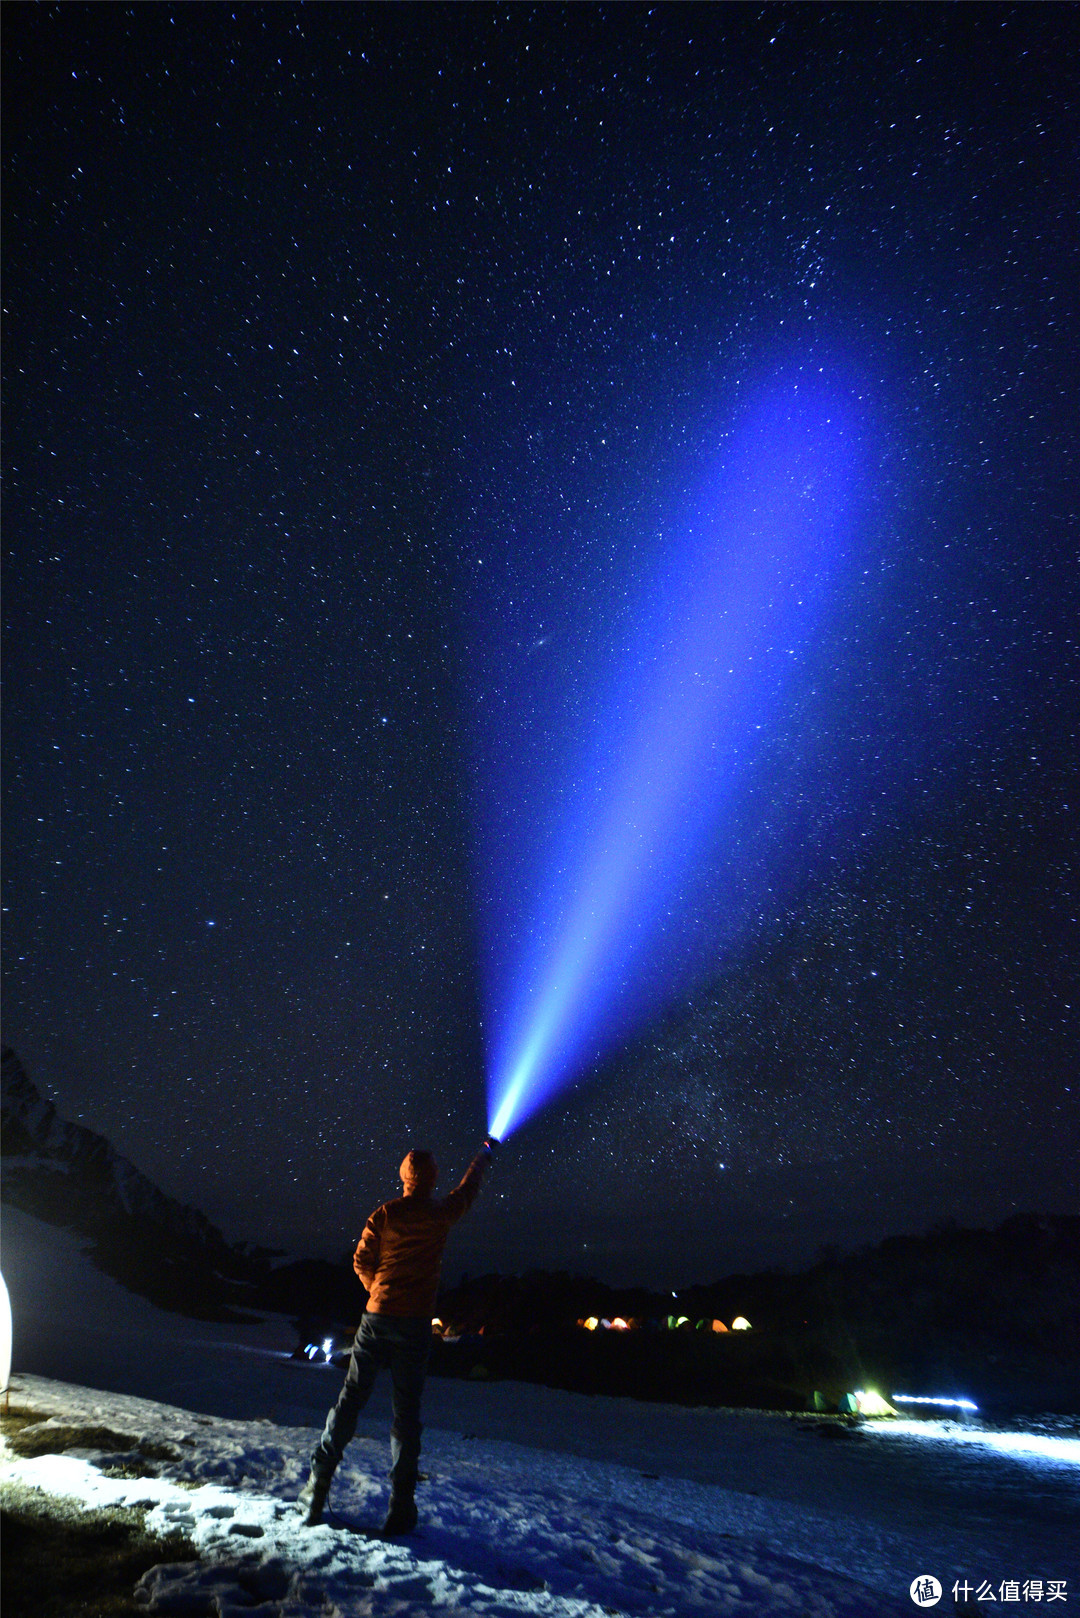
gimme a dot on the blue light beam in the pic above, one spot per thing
(656, 793)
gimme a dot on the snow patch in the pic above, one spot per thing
(505, 1530)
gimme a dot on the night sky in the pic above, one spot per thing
(365, 367)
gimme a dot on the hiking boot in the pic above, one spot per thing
(401, 1518)
(312, 1499)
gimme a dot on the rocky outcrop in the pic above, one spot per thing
(68, 1175)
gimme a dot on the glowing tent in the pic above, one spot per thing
(865, 1402)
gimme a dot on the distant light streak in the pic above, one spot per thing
(657, 782)
(915, 1399)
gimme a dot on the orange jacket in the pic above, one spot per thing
(400, 1253)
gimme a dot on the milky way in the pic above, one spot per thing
(360, 365)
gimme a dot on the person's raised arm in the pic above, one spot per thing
(460, 1200)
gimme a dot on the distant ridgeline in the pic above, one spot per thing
(67, 1175)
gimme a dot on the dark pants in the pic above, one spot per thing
(402, 1343)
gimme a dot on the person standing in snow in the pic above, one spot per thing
(398, 1260)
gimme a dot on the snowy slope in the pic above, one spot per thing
(535, 1501)
(505, 1530)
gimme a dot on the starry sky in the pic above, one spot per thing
(364, 369)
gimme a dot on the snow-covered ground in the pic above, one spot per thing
(535, 1501)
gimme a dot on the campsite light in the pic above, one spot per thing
(619, 1324)
(740, 1323)
(718, 1325)
(591, 1324)
(918, 1399)
(868, 1402)
(328, 1346)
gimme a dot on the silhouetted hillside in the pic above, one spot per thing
(993, 1315)
(70, 1176)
